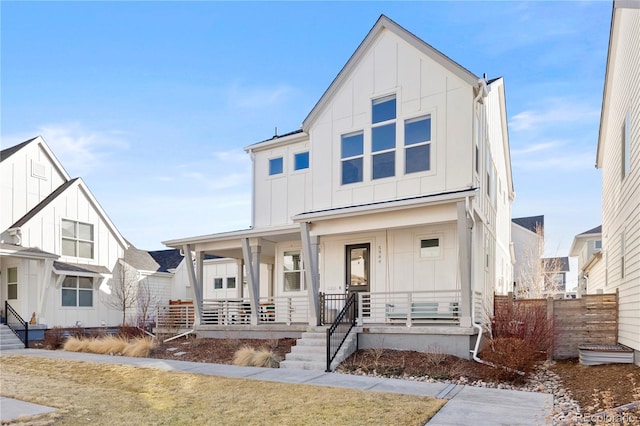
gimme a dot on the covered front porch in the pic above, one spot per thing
(392, 298)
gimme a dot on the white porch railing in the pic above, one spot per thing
(272, 310)
(410, 308)
(480, 308)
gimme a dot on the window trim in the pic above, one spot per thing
(77, 289)
(301, 271)
(12, 283)
(353, 157)
(77, 240)
(302, 169)
(625, 160)
(429, 236)
(428, 142)
(281, 172)
(380, 124)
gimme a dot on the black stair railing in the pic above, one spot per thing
(328, 307)
(16, 323)
(338, 332)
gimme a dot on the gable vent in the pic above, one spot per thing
(38, 170)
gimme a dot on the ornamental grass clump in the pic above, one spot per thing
(249, 357)
(111, 345)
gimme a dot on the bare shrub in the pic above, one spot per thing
(525, 320)
(54, 338)
(512, 356)
(435, 359)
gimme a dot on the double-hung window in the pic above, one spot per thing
(417, 142)
(77, 239)
(12, 283)
(77, 292)
(352, 155)
(293, 271)
(383, 137)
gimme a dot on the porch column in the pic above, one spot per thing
(239, 286)
(464, 264)
(44, 286)
(251, 255)
(195, 279)
(310, 258)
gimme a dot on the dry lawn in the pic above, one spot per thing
(113, 394)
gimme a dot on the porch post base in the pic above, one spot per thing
(465, 322)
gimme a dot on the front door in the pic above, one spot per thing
(357, 267)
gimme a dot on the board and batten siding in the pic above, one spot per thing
(621, 195)
(26, 178)
(422, 87)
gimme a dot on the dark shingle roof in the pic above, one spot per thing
(493, 79)
(6, 153)
(596, 230)
(76, 267)
(166, 259)
(31, 213)
(279, 136)
(530, 223)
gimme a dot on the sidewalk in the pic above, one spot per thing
(467, 404)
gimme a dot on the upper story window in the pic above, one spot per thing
(417, 141)
(217, 283)
(12, 283)
(352, 155)
(301, 160)
(430, 248)
(231, 282)
(77, 239)
(626, 145)
(276, 166)
(383, 137)
(77, 292)
(598, 244)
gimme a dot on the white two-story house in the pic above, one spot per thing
(397, 187)
(618, 156)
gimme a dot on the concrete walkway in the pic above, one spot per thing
(466, 404)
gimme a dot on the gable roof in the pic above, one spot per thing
(530, 223)
(140, 259)
(381, 24)
(44, 203)
(59, 191)
(6, 153)
(596, 230)
(581, 239)
(166, 259)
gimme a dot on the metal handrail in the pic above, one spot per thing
(17, 319)
(340, 329)
(329, 305)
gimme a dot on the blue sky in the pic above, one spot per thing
(152, 102)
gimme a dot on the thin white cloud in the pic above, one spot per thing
(558, 111)
(258, 97)
(538, 147)
(81, 150)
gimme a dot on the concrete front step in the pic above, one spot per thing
(8, 339)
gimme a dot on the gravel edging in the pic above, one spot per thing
(566, 410)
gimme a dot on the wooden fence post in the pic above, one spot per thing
(550, 320)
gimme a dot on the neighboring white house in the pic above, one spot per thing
(587, 247)
(397, 187)
(60, 254)
(527, 236)
(618, 156)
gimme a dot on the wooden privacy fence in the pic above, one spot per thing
(589, 320)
